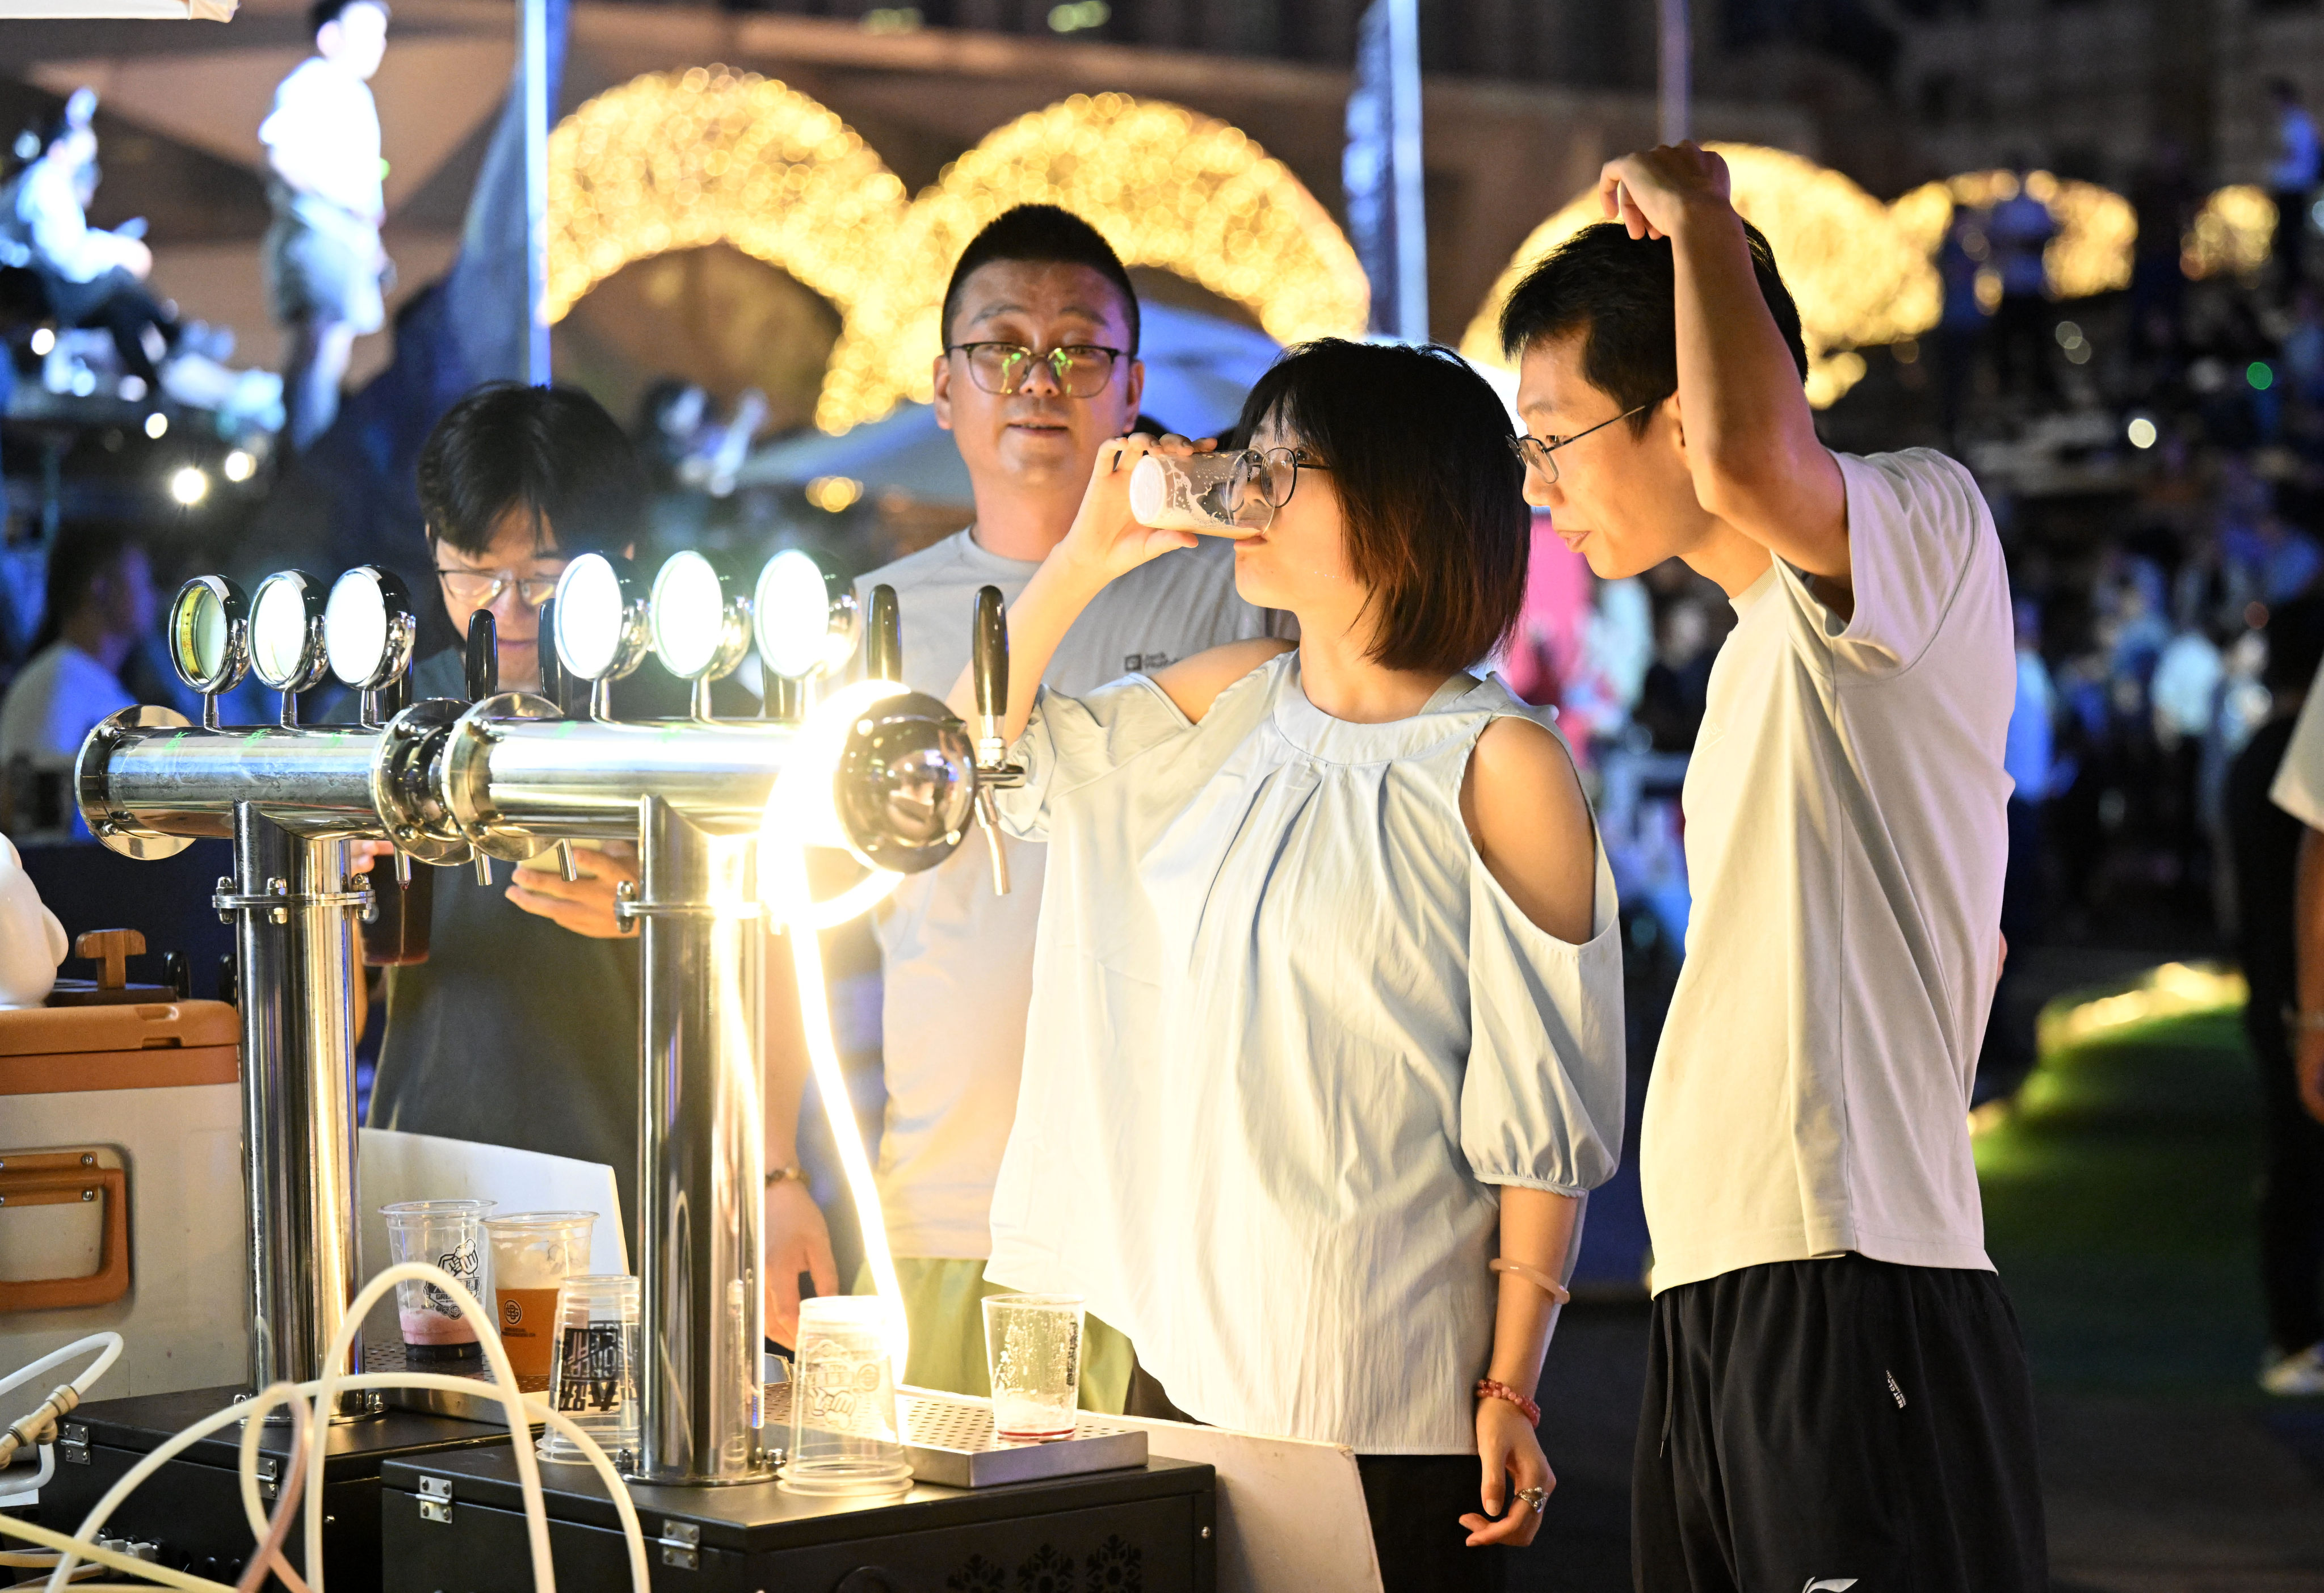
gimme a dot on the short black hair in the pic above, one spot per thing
(83, 551)
(1620, 293)
(553, 451)
(1043, 234)
(1433, 497)
(321, 13)
(2295, 645)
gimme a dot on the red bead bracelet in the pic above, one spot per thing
(1489, 1388)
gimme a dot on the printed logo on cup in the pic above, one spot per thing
(512, 1312)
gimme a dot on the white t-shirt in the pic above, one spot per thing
(54, 702)
(328, 114)
(958, 960)
(1846, 837)
(2298, 787)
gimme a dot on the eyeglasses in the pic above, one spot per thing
(483, 588)
(1081, 370)
(1273, 475)
(1540, 454)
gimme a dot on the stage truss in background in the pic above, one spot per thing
(682, 160)
(2096, 227)
(1858, 279)
(1167, 188)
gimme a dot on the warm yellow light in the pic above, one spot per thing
(2231, 234)
(189, 486)
(799, 815)
(1167, 187)
(1857, 279)
(240, 465)
(832, 493)
(2095, 226)
(681, 160)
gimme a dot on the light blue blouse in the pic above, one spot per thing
(1287, 1032)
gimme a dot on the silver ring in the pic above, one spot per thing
(1538, 1498)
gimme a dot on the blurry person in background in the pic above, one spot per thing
(93, 278)
(1960, 325)
(2291, 179)
(2020, 228)
(324, 262)
(2266, 845)
(2165, 195)
(100, 601)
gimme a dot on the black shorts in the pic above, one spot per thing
(1844, 1423)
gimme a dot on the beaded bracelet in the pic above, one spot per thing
(1492, 1388)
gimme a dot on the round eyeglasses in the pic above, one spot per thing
(1540, 454)
(1272, 474)
(1081, 370)
(483, 588)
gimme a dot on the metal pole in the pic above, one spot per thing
(536, 188)
(702, 1155)
(1410, 208)
(1676, 49)
(295, 931)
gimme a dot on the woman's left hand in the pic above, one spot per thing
(1505, 1445)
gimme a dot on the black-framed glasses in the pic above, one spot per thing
(1273, 474)
(1081, 370)
(1540, 454)
(483, 588)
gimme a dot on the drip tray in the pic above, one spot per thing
(949, 1440)
(484, 1405)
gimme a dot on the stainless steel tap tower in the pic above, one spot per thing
(891, 779)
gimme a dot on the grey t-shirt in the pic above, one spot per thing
(514, 1031)
(958, 960)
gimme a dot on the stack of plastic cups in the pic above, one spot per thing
(845, 1437)
(594, 1378)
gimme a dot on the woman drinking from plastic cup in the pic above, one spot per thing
(1325, 1046)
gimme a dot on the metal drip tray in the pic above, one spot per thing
(484, 1405)
(950, 1441)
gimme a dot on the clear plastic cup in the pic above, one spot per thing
(533, 1252)
(844, 1436)
(1033, 1349)
(449, 1235)
(1209, 493)
(593, 1376)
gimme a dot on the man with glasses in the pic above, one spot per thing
(521, 1027)
(1039, 369)
(1837, 1393)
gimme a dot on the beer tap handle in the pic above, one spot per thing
(989, 673)
(552, 667)
(482, 664)
(883, 657)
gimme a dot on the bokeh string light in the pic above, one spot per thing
(2095, 226)
(2233, 234)
(1858, 279)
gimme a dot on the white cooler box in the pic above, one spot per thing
(121, 1202)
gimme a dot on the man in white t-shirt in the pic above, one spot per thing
(324, 262)
(100, 601)
(1836, 1392)
(1040, 368)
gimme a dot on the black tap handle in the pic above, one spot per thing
(552, 668)
(988, 660)
(884, 651)
(484, 658)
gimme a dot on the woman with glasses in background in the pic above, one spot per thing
(1326, 1044)
(521, 1026)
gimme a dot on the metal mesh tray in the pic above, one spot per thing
(484, 1405)
(950, 1441)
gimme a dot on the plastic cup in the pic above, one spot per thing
(1208, 493)
(1033, 1349)
(534, 1252)
(593, 1376)
(449, 1235)
(844, 1436)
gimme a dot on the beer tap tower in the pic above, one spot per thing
(883, 773)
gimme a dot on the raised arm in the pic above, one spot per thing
(1104, 542)
(1750, 437)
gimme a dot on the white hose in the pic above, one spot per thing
(110, 1343)
(504, 1383)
